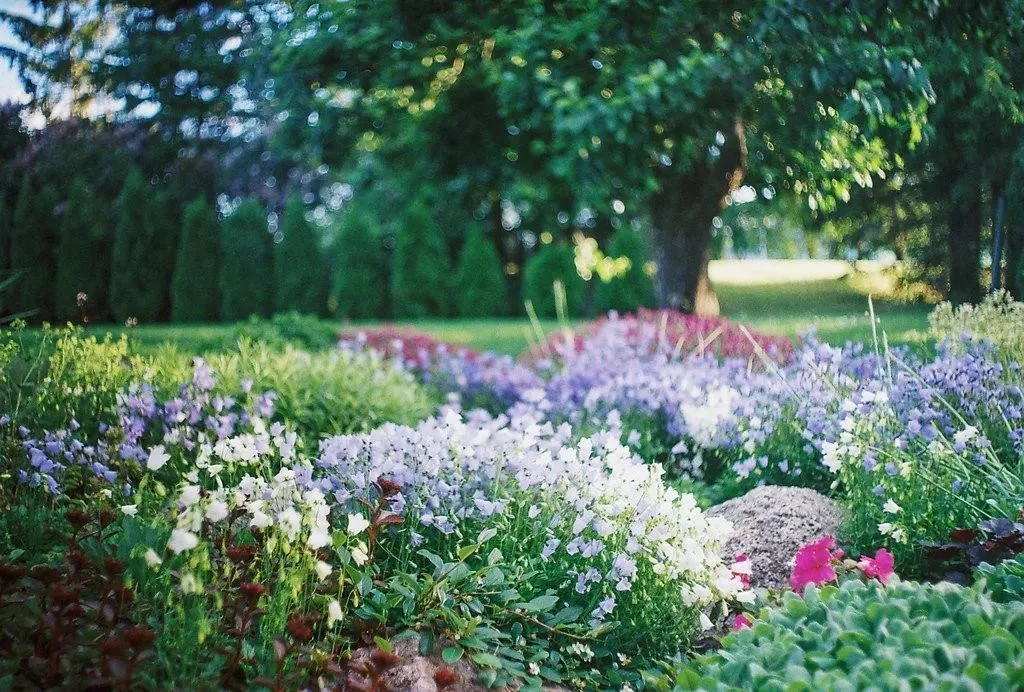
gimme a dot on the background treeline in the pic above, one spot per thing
(94, 212)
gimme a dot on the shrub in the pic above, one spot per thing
(420, 282)
(480, 281)
(194, 288)
(997, 319)
(136, 289)
(1003, 582)
(33, 239)
(246, 273)
(83, 255)
(288, 329)
(551, 263)
(360, 269)
(299, 282)
(633, 288)
(861, 636)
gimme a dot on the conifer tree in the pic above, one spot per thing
(360, 277)
(135, 290)
(246, 274)
(633, 288)
(553, 262)
(83, 255)
(33, 237)
(420, 274)
(480, 282)
(195, 287)
(299, 282)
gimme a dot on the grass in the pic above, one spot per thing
(780, 297)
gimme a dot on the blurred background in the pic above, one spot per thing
(460, 165)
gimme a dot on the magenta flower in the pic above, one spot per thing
(740, 622)
(813, 564)
(879, 567)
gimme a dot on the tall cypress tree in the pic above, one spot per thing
(195, 289)
(419, 279)
(164, 231)
(33, 237)
(481, 290)
(360, 269)
(134, 281)
(246, 276)
(634, 288)
(5, 252)
(83, 255)
(299, 282)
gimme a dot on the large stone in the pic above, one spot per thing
(771, 523)
(413, 672)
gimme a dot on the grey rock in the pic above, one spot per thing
(771, 523)
(416, 673)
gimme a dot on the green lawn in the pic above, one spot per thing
(836, 307)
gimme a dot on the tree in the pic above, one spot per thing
(667, 106)
(195, 286)
(420, 275)
(480, 281)
(136, 288)
(33, 238)
(553, 263)
(83, 255)
(247, 265)
(360, 269)
(299, 280)
(632, 288)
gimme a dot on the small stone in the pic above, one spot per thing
(771, 523)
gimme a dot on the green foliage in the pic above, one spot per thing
(360, 269)
(480, 281)
(135, 288)
(420, 281)
(195, 286)
(551, 263)
(323, 393)
(633, 288)
(246, 264)
(299, 280)
(861, 636)
(285, 329)
(997, 319)
(1004, 582)
(83, 255)
(33, 238)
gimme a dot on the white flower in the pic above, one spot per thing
(190, 495)
(157, 458)
(217, 510)
(891, 507)
(705, 622)
(290, 521)
(885, 528)
(129, 510)
(182, 540)
(359, 555)
(323, 570)
(151, 558)
(318, 538)
(107, 492)
(966, 435)
(333, 612)
(357, 523)
(260, 520)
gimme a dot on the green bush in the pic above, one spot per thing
(1004, 583)
(194, 288)
(480, 281)
(83, 255)
(135, 287)
(325, 393)
(553, 262)
(33, 238)
(420, 273)
(246, 264)
(299, 282)
(289, 329)
(997, 318)
(868, 636)
(633, 288)
(360, 269)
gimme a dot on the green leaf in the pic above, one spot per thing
(426, 643)
(539, 604)
(451, 654)
(486, 660)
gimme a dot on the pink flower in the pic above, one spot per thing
(813, 564)
(879, 567)
(740, 622)
(741, 569)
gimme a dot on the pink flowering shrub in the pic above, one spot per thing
(816, 563)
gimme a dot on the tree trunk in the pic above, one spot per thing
(682, 213)
(965, 219)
